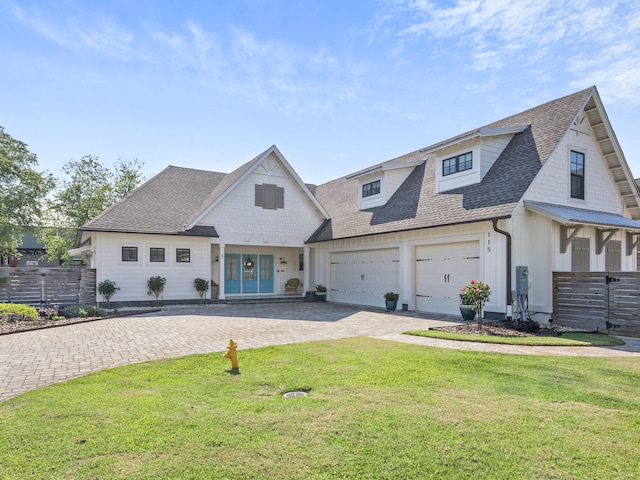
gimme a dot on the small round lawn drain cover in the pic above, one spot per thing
(295, 394)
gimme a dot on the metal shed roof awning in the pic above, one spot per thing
(84, 252)
(578, 216)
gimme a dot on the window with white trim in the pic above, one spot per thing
(129, 254)
(369, 189)
(577, 175)
(156, 254)
(183, 255)
(456, 164)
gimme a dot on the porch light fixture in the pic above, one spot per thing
(217, 259)
(283, 261)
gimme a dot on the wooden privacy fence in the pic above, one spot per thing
(606, 301)
(48, 286)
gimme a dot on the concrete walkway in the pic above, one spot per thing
(38, 358)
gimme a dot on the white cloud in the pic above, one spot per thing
(36, 22)
(102, 35)
(596, 39)
(193, 48)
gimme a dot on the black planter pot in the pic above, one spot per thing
(391, 305)
(467, 312)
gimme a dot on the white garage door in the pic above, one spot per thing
(441, 272)
(362, 277)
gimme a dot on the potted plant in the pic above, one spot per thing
(472, 299)
(201, 287)
(321, 293)
(107, 288)
(391, 301)
(155, 286)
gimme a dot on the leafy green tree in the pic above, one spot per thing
(127, 176)
(22, 192)
(88, 189)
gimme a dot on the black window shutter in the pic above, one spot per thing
(280, 197)
(269, 196)
(259, 196)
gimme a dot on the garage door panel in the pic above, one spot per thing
(362, 277)
(441, 271)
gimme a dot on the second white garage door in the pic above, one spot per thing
(362, 277)
(441, 271)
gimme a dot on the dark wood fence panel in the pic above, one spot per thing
(48, 286)
(606, 301)
(624, 303)
(579, 300)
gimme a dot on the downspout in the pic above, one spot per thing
(508, 235)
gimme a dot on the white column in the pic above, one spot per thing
(305, 275)
(221, 264)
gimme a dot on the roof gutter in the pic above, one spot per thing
(508, 235)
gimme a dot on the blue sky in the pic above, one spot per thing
(336, 85)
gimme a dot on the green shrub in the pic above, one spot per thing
(75, 311)
(48, 313)
(14, 312)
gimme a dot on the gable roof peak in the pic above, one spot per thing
(236, 177)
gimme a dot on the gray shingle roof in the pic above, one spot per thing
(416, 203)
(163, 204)
(176, 196)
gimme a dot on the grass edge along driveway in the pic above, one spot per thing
(567, 339)
(375, 409)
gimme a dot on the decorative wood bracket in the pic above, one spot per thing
(566, 237)
(633, 239)
(601, 240)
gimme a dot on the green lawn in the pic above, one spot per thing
(374, 409)
(569, 339)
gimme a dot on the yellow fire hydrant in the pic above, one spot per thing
(232, 355)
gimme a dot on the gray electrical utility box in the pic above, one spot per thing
(522, 280)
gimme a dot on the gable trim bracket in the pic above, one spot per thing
(566, 237)
(633, 239)
(601, 240)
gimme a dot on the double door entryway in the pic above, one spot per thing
(248, 273)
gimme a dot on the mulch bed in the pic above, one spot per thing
(504, 328)
(25, 326)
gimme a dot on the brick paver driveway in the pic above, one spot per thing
(34, 359)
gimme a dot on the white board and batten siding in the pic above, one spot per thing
(363, 277)
(441, 270)
(131, 277)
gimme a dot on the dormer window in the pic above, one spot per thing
(369, 189)
(456, 164)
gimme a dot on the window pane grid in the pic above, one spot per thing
(577, 175)
(369, 189)
(129, 254)
(458, 163)
(183, 255)
(156, 254)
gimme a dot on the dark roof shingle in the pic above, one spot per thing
(416, 203)
(163, 204)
